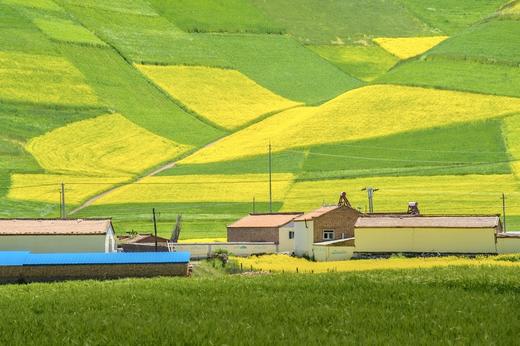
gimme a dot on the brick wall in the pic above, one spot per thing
(341, 221)
(252, 234)
(106, 271)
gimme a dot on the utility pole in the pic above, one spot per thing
(270, 181)
(504, 210)
(63, 212)
(370, 194)
(155, 228)
(254, 205)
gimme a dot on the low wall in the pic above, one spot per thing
(508, 245)
(243, 249)
(82, 272)
(324, 253)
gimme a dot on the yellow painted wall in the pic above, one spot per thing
(332, 253)
(57, 243)
(508, 245)
(446, 240)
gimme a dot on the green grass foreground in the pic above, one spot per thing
(477, 305)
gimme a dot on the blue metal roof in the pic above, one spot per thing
(26, 258)
(13, 258)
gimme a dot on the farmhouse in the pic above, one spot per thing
(326, 224)
(272, 227)
(57, 235)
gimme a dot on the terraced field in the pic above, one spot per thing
(173, 104)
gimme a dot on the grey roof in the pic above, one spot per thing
(54, 226)
(427, 222)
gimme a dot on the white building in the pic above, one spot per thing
(57, 235)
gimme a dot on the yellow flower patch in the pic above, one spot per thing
(46, 187)
(454, 194)
(225, 97)
(42, 79)
(287, 264)
(366, 112)
(201, 188)
(408, 47)
(108, 145)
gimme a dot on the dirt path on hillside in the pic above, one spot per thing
(160, 169)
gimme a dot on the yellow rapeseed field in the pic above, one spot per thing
(42, 79)
(46, 187)
(201, 188)
(285, 263)
(366, 112)
(459, 194)
(225, 97)
(108, 145)
(408, 47)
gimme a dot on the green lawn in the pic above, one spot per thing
(466, 305)
(215, 16)
(452, 16)
(338, 21)
(457, 75)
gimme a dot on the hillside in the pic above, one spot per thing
(173, 104)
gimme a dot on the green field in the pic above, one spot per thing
(457, 75)
(216, 16)
(452, 16)
(441, 305)
(338, 22)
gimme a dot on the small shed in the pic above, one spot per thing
(324, 224)
(57, 235)
(271, 227)
(427, 234)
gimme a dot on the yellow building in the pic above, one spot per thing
(427, 234)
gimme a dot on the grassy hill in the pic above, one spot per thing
(172, 104)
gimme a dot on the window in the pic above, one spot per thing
(291, 234)
(328, 234)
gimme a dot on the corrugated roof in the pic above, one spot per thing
(428, 221)
(53, 226)
(316, 213)
(13, 258)
(264, 220)
(99, 258)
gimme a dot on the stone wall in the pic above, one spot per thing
(83, 272)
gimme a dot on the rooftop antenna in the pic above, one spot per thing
(343, 201)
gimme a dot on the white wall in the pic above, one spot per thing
(303, 238)
(332, 253)
(110, 241)
(286, 244)
(205, 250)
(54, 243)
